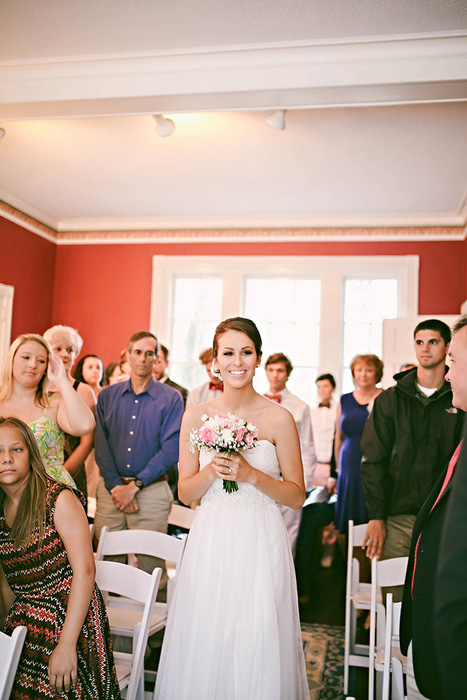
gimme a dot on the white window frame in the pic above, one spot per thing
(331, 270)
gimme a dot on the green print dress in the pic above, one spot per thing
(51, 440)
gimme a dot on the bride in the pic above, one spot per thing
(233, 630)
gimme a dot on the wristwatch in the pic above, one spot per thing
(139, 484)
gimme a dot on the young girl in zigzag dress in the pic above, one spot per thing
(47, 580)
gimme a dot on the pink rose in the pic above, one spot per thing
(206, 435)
(240, 434)
(249, 440)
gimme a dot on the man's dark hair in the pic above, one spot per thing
(164, 351)
(329, 377)
(280, 357)
(139, 336)
(460, 323)
(434, 324)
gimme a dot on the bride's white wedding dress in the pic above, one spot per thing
(233, 631)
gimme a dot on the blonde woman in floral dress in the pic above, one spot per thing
(233, 630)
(29, 367)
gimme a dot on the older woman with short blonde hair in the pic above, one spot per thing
(66, 343)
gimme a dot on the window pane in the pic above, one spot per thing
(366, 303)
(197, 308)
(197, 298)
(287, 313)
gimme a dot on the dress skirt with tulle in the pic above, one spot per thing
(233, 631)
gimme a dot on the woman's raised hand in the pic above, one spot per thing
(232, 466)
(56, 372)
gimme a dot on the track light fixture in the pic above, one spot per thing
(164, 127)
(277, 119)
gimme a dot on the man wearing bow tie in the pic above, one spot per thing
(209, 390)
(323, 423)
(278, 370)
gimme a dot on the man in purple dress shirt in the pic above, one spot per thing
(137, 434)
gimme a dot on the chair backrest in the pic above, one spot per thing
(10, 651)
(120, 579)
(181, 516)
(356, 534)
(355, 539)
(149, 542)
(389, 572)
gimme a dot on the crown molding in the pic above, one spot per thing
(404, 69)
(28, 222)
(318, 235)
(325, 233)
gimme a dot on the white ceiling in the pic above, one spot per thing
(376, 127)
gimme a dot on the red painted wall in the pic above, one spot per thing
(105, 290)
(27, 262)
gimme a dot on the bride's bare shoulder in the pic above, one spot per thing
(279, 415)
(272, 418)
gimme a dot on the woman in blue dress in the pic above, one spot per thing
(353, 412)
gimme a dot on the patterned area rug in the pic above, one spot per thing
(324, 656)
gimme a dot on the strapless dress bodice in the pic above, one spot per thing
(262, 457)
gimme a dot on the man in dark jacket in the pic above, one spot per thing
(450, 615)
(408, 439)
(418, 620)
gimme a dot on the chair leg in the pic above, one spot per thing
(353, 627)
(379, 685)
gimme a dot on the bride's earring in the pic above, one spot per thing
(215, 370)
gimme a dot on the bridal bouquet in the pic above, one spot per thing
(224, 433)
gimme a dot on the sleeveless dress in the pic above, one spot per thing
(40, 576)
(51, 440)
(70, 445)
(350, 503)
(233, 631)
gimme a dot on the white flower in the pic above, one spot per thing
(204, 417)
(227, 435)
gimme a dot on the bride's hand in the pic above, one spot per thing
(231, 466)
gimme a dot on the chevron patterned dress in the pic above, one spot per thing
(40, 576)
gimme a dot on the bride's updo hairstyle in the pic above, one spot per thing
(242, 325)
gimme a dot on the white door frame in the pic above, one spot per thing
(6, 313)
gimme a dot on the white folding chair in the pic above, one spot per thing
(150, 543)
(10, 651)
(181, 516)
(389, 572)
(357, 597)
(388, 649)
(130, 582)
(123, 611)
